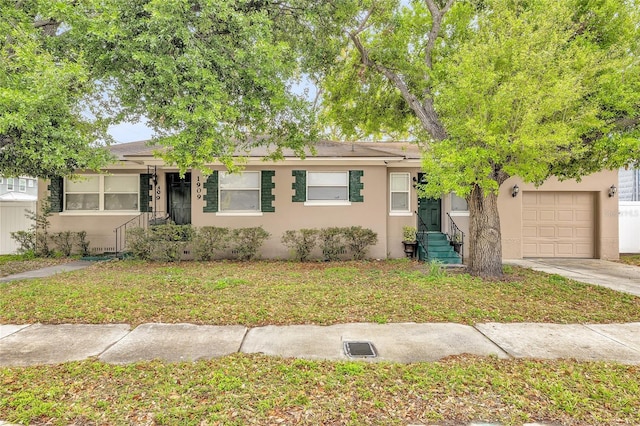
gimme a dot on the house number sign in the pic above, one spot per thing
(198, 188)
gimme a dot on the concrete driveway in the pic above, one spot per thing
(616, 276)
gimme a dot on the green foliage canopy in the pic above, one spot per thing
(492, 88)
(213, 78)
(43, 131)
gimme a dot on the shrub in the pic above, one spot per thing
(83, 243)
(301, 242)
(169, 241)
(209, 239)
(26, 241)
(246, 242)
(332, 242)
(164, 243)
(358, 240)
(139, 243)
(64, 242)
(409, 233)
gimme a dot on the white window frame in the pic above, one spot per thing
(1, 181)
(10, 184)
(257, 212)
(457, 212)
(30, 183)
(406, 212)
(22, 185)
(101, 195)
(327, 202)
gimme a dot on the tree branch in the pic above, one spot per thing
(424, 110)
(436, 23)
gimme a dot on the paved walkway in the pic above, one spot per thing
(614, 275)
(22, 345)
(48, 271)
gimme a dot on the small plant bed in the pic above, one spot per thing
(15, 264)
(243, 389)
(283, 293)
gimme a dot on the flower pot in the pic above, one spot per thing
(410, 248)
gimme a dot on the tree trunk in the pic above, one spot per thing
(485, 242)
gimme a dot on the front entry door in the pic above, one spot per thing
(179, 198)
(429, 213)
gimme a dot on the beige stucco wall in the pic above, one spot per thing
(373, 213)
(98, 225)
(606, 212)
(290, 215)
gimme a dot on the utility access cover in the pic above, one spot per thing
(360, 350)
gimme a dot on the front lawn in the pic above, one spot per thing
(282, 293)
(252, 389)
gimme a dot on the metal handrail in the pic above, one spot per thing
(421, 236)
(143, 220)
(456, 235)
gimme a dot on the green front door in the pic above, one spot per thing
(429, 214)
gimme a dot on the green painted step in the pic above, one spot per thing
(439, 249)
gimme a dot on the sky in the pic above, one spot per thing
(130, 132)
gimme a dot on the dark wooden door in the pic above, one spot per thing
(179, 198)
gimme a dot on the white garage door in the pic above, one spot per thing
(558, 224)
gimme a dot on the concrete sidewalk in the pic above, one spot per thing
(22, 345)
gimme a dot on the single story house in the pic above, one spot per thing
(342, 184)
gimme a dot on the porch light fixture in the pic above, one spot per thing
(612, 191)
(515, 190)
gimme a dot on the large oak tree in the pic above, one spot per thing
(490, 89)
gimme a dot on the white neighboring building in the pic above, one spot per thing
(16, 196)
(629, 210)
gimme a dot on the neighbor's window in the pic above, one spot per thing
(22, 185)
(9, 184)
(239, 192)
(458, 204)
(30, 183)
(101, 193)
(327, 186)
(400, 185)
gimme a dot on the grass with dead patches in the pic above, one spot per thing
(283, 293)
(252, 389)
(630, 259)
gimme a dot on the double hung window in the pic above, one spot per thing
(327, 186)
(102, 193)
(239, 192)
(400, 191)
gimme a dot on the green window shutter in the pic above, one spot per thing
(56, 194)
(266, 190)
(211, 197)
(355, 186)
(145, 187)
(300, 186)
